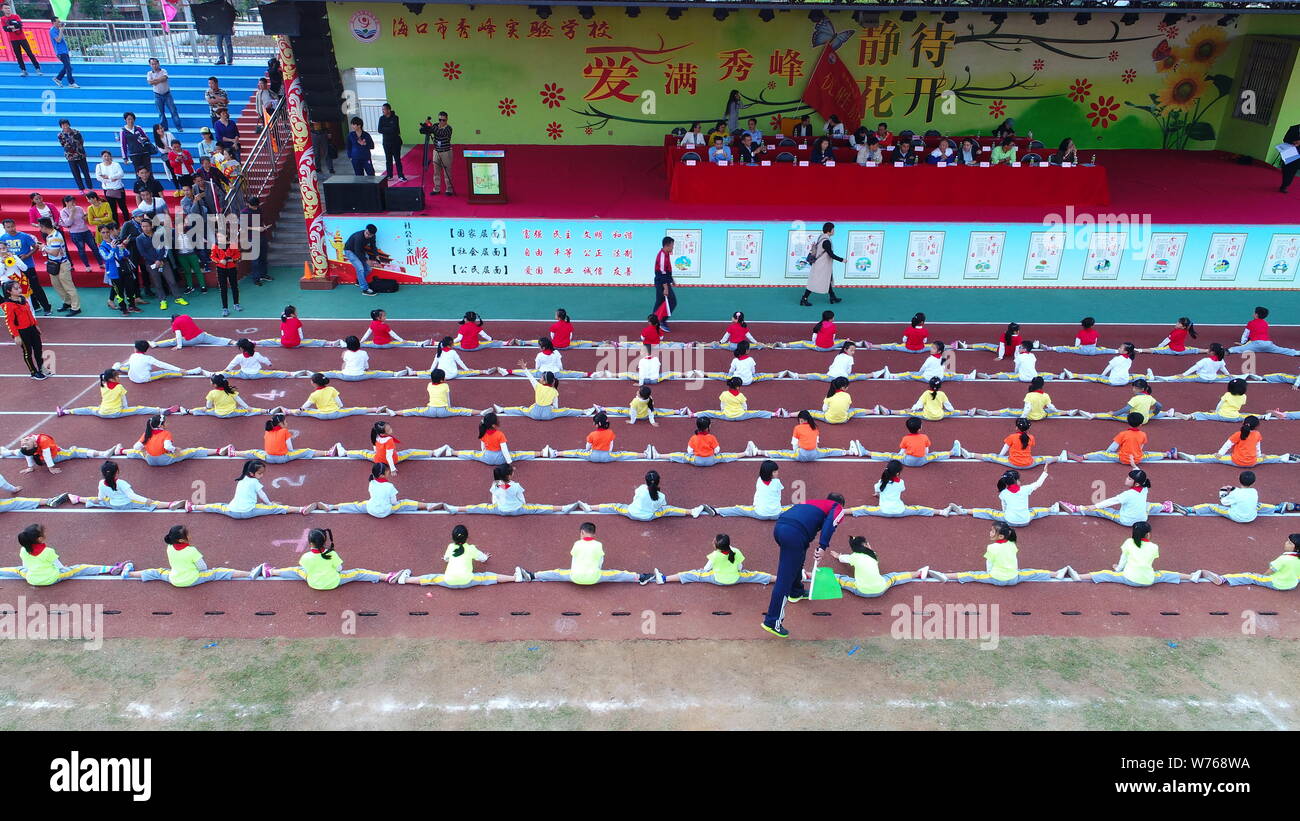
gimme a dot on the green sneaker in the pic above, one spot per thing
(776, 630)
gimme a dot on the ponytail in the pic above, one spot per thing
(487, 423)
(377, 470)
(892, 469)
(176, 535)
(827, 316)
(250, 467)
(652, 484)
(1189, 325)
(601, 419)
(459, 535)
(702, 424)
(1010, 477)
(107, 376)
(562, 315)
(1036, 384)
(838, 384)
(918, 319)
(502, 473)
(246, 345)
(742, 349)
(546, 345)
(1005, 531)
(474, 318)
(1141, 531)
(1022, 425)
(151, 425)
(276, 420)
(1142, 385)
(858, 544)
(722, 544)
(322, 540)
(807, 418)
(1217, 351)
(320, 380)
(376, 431)
(1012, 329)
(644, 392)
(1140, 479)
(739, 318)
(222, 383)
(289, 311)
(108, 470)
(1248, 426)
(935, 384)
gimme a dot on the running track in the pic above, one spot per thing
(258, 609)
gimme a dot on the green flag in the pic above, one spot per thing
(62, 8)
(825, 585)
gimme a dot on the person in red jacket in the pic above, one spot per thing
(225, 261)
(21, 323)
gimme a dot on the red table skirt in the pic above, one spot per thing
(787, 184)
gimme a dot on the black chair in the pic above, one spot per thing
(786, 142)
(906, 135)
(1031, 159)
(933, 133)
(785, 156)
(1035, 144)
(678, 132)
(691, 155)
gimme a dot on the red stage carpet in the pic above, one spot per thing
(628, 182)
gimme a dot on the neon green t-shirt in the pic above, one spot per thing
(724, 571)
(1001, 557)
(1140, 567)
(41, 569)
(322, 573)
(460, 569)
(184, 564)
(588, 558)
(1286, 571)
(866, 574)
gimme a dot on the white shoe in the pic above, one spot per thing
(338, 450)
(519, 574)
(752, 450)
(695, 513)
(548, 452)
(957, 448)
(934, 574)
(855, 448)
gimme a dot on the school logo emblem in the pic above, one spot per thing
(364, 26)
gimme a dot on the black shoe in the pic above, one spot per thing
(39, 375)
(368, 292)
(74, 313)
(835, 299)
(805, 303)
(451, 193)
(48, 312)
(776, 630)
(64, 308)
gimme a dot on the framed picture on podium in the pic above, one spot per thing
(487, 178)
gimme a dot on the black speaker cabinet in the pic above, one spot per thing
(405, 198)
(215, 17)
(346, 194)
(280, 18)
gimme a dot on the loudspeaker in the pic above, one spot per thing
(346, 194)
(216, 17)
(405, 198)
(280, 18)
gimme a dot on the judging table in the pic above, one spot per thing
(850, 184)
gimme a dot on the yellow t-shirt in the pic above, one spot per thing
(460, 569)
(1286, 571)
(640, 408)
(1143, 403)
(837, 407)
(42, 569)
(588, 556)
(112, 400)
(184, 565)
(1140, 567)
(866, 574)
(544, 395)
(932, 407)
(222, 402)
(724, 570)
(733, 405)
(1001, 557)
(325, 399)
(321, 573)
(1231, 405)
(1037, 402)
(439, 395)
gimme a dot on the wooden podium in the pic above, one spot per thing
(487, 176)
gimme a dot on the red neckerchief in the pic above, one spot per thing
(248, 356)
(180, 545)
(37, 548)
(587, 538)
(1013, 488)
(937, 355)
(896, 479)
(111, 385)
(1000, 541)
(743, 358)
(505, 485)
(733, 391)
(381, 478)
(315, 550)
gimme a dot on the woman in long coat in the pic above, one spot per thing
(819, 275)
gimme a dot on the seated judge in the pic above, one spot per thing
(719, 152)
(749, 151)
(1007, 128)
(942, 153)
(968, 153)
(883, 135)
(822, 151)
(905, 152)
(751, 128)
(870, 152)
(693, 138)
(834, 128)
(1066, 153)
(804, 128)
(859, 137)
(719, 130)
(1004, 152)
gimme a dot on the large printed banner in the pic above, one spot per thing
(622, 252)
(507, 76)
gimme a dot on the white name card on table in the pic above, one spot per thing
(803, 163)
(829, 163)
(984, 165)
(1067, 165)
(941, 164)
(765, 162)
(899, 164)
(690, 162)
(1015, 165)
(870, 165)
(723, 162)
(803, 146)
(985, 149)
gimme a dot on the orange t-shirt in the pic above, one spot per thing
(493, 440)
(1245, 451)
(703, 444)
(156, 444)
(1018, 456)
(1131, 443)
(805, 436)
(600, 438)
(383, 447)
(45, 442)
(915, 444)
(275, 442)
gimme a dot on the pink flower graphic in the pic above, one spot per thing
(552, 95)
(508, 107)
(451, 70)
(1080, 90)
(555, 131)
(1103, 112)
(1129, 75)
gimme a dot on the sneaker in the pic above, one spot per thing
(225, 312)
(1166, 506)
(39, 375)
(162, 306)
(520, 574)
(62, 498)
(58, 83)
(797, 598)
(1073, 508)
(262, 571)
(1172, 453)
(645, 578)
(402, 576)
(64, 308)
(181, 301)
(73, 85)
(239, 307)
(74, 312)
(121, 569)
(59, 411)
(776, 630)
(368, 292)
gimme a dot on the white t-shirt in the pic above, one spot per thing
(160, 74)
(356, 363)
(1132, 505)
(842, 365)
(647, 369)
(120, 497)
(1207, 368)
(1242, 504)
(450, 362)
(247, 491)
(509, 498)
(110, 175)
(1026, 366)
(251, 365)
(382, 498)
(744, 368)
(891, 498)
(932, 367)
(1015, 506)
(549, 362)
(139, 366)
(767, 497)
(1118, 370)
(643, 506)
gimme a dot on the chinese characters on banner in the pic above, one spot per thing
(984, 254)
(1164, 255)
(1043, 260)
(1223, 257)
(1283, 256)
(862, 260)
(744, 254)
(924, 254)
(686, 251)
(477, 250)
(1105, 252)
(572, 254)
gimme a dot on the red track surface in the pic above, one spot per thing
(240, 609)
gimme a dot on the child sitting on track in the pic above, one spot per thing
(277, 445)
(322, 567)
(1136, 565)
(139, 366)
(867, 580)
(600, 445)
(889, 492)
(249, 364)
(439, 405)
(508, 498)
(588, 562)
(223, 401)
(250, 500)
(383, 448)
(325, 403)
(383, 501)
(805, 443)
(767, 497)
(648, 503)
(725, 566)
(1240, 504)
(189, 334)
(185, 564)
(1001, 564)
(41, 449)
(117, 494)
(112, 402)
(41, 566)
(703, 449)
(494, 450)
(460, 557)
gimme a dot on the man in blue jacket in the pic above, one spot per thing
(794, 532)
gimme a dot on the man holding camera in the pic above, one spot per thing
(441, 136)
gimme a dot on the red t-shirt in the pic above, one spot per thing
(562, 334)
(1087, 336)
(825, 338)
(186, 326)
(1258, 330)
(1015, 342)
(380, 333)
(736, 333)
(1177, 338)
(291, 333)
(914, 339)
(13, 26)
(469, 336)
(652, 335)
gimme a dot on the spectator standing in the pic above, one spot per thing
(73, 220)
(99, 212)
(360, 144)
(226, 42)
(74, 151)
(181, 164)
(61, 51)
(59, 267)
(134, 142)
(153, 255)
(732, 113)
(110, 172)
(252, 212)
(22, 246)
(162, 94)
(323, 148)
(216, 98)
(40, 209)
(359, 250)
(146, 182)
(20, 321)
(390, 132)
(162, 142)
(441, 134)
(822, 260)
(13, 27)
(227, 132)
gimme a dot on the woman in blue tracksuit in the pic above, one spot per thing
(794, 531)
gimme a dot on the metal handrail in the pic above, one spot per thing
(257, 171)
(117, 41)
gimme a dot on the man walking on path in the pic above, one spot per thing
(61, 51)
(664, 293)
(794, 532)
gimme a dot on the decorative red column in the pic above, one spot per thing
(315, 270)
